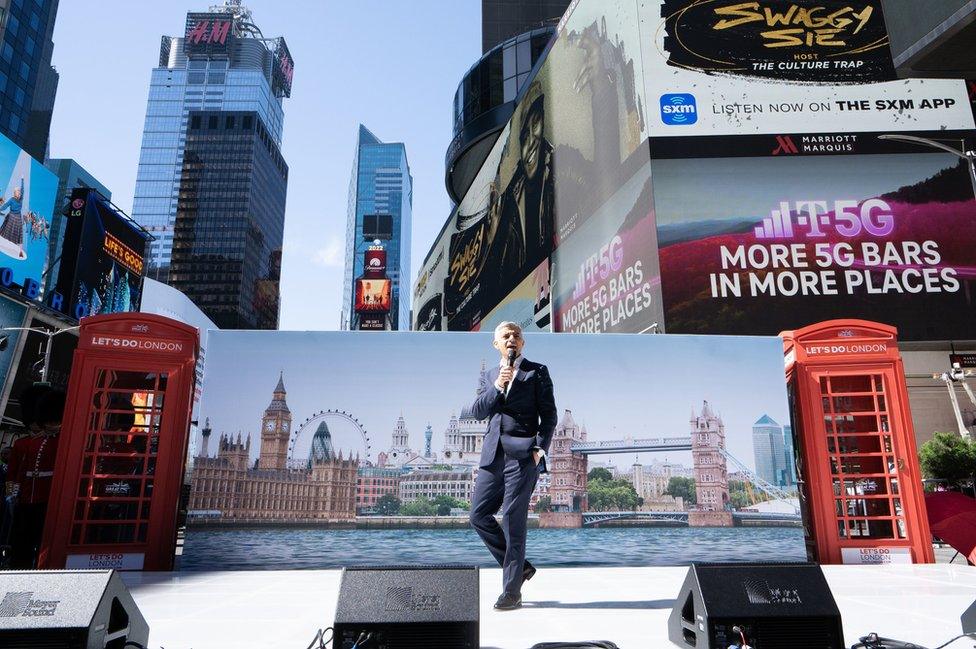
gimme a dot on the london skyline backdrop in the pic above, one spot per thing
(615, 385)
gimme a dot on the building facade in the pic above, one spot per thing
(230, 218)
(323, 489)
(28, 82)
(431, 484)
(221, 63)
(372, 483)
(502, 19)
(70, 175)
(379, 216)
(769, 451)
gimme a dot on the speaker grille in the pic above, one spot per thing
(43, 639)
(798, 634)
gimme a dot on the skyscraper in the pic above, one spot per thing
(230, 220)
(222, 63)
(768, 451)
(789, 453)
(28, 82)
(502, 19)
(379, 216)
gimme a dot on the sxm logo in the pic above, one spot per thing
(679, 109)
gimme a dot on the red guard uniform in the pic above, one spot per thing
(31, 467)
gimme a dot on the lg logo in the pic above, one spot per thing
(679, 109)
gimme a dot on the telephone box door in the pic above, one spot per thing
(862, 476)
(120, 463)
(869, 474)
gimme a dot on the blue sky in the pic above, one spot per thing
(391, 65)
(617, 385)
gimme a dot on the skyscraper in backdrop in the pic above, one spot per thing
(222, 64)
(28, 81)
(378, 237)
(502, 19)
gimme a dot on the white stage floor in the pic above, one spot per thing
(629, 606)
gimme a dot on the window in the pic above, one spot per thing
(246, 122)
(196, 78)
(212, 122)
(19, 96)
(8, 52)
(229, 122)
(195, 122)
(197, 64)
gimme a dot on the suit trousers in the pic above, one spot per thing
(506, 484)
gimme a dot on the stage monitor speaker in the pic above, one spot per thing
(766, 606)
(408, 607)
(969, 619)
(68, 609)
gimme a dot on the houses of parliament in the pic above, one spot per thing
(322, 490)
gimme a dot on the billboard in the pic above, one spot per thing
(304, 513)
(780, 242)
(208, 33)
(283, 70)
(723, 67)
(374, 263)
(26, 206)
(103, 260)
(575, 137)
(373, 295)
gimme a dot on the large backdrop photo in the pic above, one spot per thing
(325, 449)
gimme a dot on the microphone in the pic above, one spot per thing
(511, 362)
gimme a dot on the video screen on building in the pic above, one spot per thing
(104, 259)
(781, 242)
(27, 193)
(373, 295)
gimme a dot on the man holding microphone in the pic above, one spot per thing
(517, 400)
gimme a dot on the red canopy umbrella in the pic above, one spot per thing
(952, 518)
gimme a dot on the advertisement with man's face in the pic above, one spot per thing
(723, 67)
(574, 138)
(780, 242)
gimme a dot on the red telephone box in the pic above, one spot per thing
(858, 460)
(123, 445)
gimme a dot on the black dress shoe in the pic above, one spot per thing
(507, 602)
(528, 571)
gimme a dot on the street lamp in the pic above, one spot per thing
(49, 333)
(968, 156)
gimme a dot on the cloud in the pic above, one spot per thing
(331, 256)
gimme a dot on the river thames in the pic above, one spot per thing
(290, 549)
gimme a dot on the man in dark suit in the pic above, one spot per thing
(517, 400)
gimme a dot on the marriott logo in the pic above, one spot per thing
(840, 143)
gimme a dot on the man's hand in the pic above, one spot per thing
(537, 456)
(504, 378)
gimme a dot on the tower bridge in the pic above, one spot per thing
(710, 459)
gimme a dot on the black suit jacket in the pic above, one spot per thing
(524, 420)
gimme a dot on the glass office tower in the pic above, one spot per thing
(221, 63)
(28, 82)
(503, 19)
(379, 215)
(230, 220)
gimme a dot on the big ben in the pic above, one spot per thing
(275, 430)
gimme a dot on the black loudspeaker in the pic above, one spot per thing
(68, 609)
(422, 607)
(764, 606)
(968, 619)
